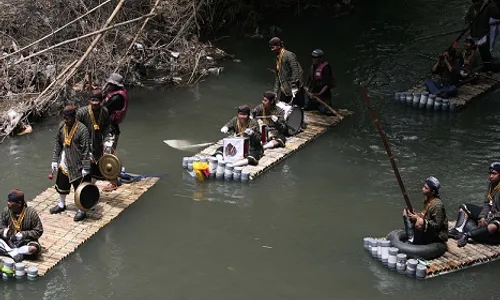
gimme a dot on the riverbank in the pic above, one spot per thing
(149, 42)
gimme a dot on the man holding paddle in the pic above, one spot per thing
(320, 82)
(477, 18)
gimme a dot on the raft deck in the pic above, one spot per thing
(62, 236)
(467, 92)
(316, 125)
(456, 259)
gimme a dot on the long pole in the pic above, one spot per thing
(483, 7)
(387, 149)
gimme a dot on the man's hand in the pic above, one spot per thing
(419, 224)
(248, 131)
(53, 166)
(412, 215)
(274, 118)
(482, 222)
(85, 172)
(224, 130)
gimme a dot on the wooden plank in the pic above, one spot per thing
(316, 125)
(62, 236)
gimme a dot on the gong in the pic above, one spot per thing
(86, 196)
(110, 166)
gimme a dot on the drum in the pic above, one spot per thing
(294, 117)
(235, 148)
(86, 196)
(263, 131)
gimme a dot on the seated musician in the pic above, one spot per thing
(242, 125)
(20, 229)
(447, 68)
(469, 61)
(274, 117)
(431, 224)
(481, 223)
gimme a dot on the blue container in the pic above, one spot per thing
(423, 100)
(409, 99)
(416, 99)
(397, 96)
(430, 102)
(438, 104)
(402, 99)
(445, 106)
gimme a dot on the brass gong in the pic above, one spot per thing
(110, 166)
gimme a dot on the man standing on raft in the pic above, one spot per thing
(431, 224)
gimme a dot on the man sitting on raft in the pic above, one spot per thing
(274, 117)
(481, 223)
(241, 125)
(20, 229)
(447, 68)
(431, 224)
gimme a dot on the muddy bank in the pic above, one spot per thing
(53, 51)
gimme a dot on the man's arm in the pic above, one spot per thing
(36, 230)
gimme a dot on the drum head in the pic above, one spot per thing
(86, 196)
(295, 120)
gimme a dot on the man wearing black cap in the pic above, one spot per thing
(70, 158)
(320, 81)
(431, 224)
(478, 17)
(274, 117)
(481, 223)
(288, 72)
(96, 119)
(242, 125)
(20, 228)
(116, 102)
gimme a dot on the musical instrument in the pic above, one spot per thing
(294, 117)
(110, 166)
(86, 196)
(263, 131)
(235, 148)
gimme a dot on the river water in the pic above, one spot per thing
(295, 233)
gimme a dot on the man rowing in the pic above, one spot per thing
(320, 83)
(478, 17)
(271, 115)
(116, 102)
(70, 159)
(288, 74)
(20, 229)
(98, 123)
(431, 224)
(242, 125)
(481, 222)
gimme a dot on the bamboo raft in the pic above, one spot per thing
(62, 236)
(466, 93)
(456, 259)
(316, 125)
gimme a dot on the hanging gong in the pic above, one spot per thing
(110, 166)
(86, 196)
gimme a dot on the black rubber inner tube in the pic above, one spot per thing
(398, 239)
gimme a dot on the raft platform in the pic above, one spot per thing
(455, 258)
(316, 125)
(466, 94)
(62, 236)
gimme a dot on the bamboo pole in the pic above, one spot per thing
(94, 43)
(56, 31)
(82, 37)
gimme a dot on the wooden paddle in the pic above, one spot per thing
(185, 145)
(437, 35)
(324, 104)
(387, 148)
